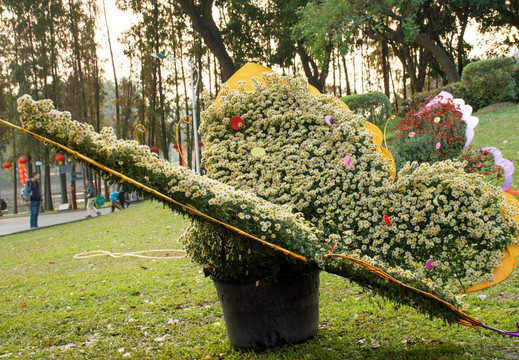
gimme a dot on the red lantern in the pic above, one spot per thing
(200, 144)
(23, 160)
(175, 146)
(60, 159)
(22, 172)
(7, 166)
(154, 149)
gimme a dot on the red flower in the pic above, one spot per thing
(237, 123)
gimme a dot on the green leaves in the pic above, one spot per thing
(329, 22)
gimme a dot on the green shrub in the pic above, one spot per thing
(482, 68)
(418, 100)
(515, 73)
(375, 106)
(417, 148)
(490, 81)
(483, 83)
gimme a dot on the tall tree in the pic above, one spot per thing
(403, 22)
(504, 13)
(201, 15)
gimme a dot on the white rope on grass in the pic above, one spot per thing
(137, 254)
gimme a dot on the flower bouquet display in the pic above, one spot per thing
(297, 183)
(443, 129)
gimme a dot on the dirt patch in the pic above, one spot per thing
(495, 107)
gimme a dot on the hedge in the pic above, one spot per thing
(484, 83)
(490, 81)
(375, 106)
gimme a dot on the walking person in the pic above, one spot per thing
(114, 198)
(123, 198)
(91, 199)
(32, 195)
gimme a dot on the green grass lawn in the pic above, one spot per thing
(52, 306)
(500, 128)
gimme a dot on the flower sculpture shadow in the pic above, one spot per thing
(296, 181)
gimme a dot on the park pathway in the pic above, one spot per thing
(14, 224)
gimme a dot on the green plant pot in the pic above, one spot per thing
(259, 316)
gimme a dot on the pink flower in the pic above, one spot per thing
(348, 162)
(328, 119)
(429, 265)
(438, 144)
(479, 165)
(412, 134)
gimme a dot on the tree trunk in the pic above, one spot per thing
(461, 44)
(439, 54)
(164, 135)
(202, 20)
(153, 105)
(63, 188)
(209, 76)
(422, 70)
(177, 106)
(403, 77)
(428, 45)
(33, 62)
(216, 87)
(188, 110)
(107, 190)
(79, 66)
(97, 94)
(311, 69)
(48, 189)
(334, 66)
(117, 109)
(362, 77)
(143, 100)
(340, 73)
(15, 197)
(385, 67)
(348, 89)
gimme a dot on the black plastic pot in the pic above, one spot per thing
(260, 316)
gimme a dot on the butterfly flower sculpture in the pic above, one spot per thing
(295, 179)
